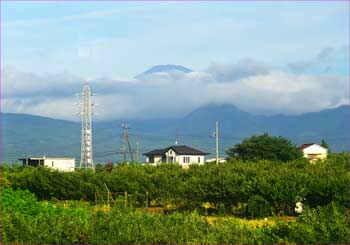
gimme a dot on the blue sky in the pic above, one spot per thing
(264, 57)
(120, 40)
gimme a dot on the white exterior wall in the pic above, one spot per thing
(315, 149)
(193, 160)
(177, 158)
(180, 158)
(62, 164)
(157, 159)
(171, 154)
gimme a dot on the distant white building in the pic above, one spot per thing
(220, 160)
(61, 164)
(181, 154)
(314, 151)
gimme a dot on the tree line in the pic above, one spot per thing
(239, 187)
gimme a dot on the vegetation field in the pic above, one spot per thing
(235, 202)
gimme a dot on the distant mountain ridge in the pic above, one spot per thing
(164, 68)
(326, 123)
(24, 135)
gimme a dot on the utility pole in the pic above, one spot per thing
(217, 142)
(130, 149)
(86, 160)
(177, 137)
(124, 126)
(126, 141)
(137, 151)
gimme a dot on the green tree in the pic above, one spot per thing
(325, 145)
(265, 147)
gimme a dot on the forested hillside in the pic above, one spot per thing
(26, 135)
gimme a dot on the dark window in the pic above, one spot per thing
(151, 159)
(163, 158)
(199, 159)
(52, 164)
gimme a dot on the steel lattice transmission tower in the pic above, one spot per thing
(86, 160)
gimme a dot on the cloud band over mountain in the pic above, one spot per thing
(252, 86)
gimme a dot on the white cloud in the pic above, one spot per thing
(17, 83)
(55, 107)
(329, 60)
(243, 68)
(176, 94)
(281, 82)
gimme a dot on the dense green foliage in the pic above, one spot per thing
(40, 205)
(24, 220)
(245, 189)
(265, 147)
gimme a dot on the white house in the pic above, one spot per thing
(61, 164)
(181, 154)
(314, 151)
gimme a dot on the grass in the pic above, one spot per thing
(254, 223)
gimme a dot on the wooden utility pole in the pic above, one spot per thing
(126, 141)
(130, 149)
(124, 126)
(217, 142)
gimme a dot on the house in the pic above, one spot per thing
(314, 151)
(62, 164)
(181, 154)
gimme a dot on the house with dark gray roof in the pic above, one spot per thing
(181, 154)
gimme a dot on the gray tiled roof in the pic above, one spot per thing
(179, 149)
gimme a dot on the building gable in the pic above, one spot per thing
(315, 149)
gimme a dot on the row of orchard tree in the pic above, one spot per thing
(27, 221)
(242, 188)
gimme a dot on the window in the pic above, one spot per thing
(186, 160)
(151, 159)
(313, 156)
(170, 152)
(52, 164)
(199, 159)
